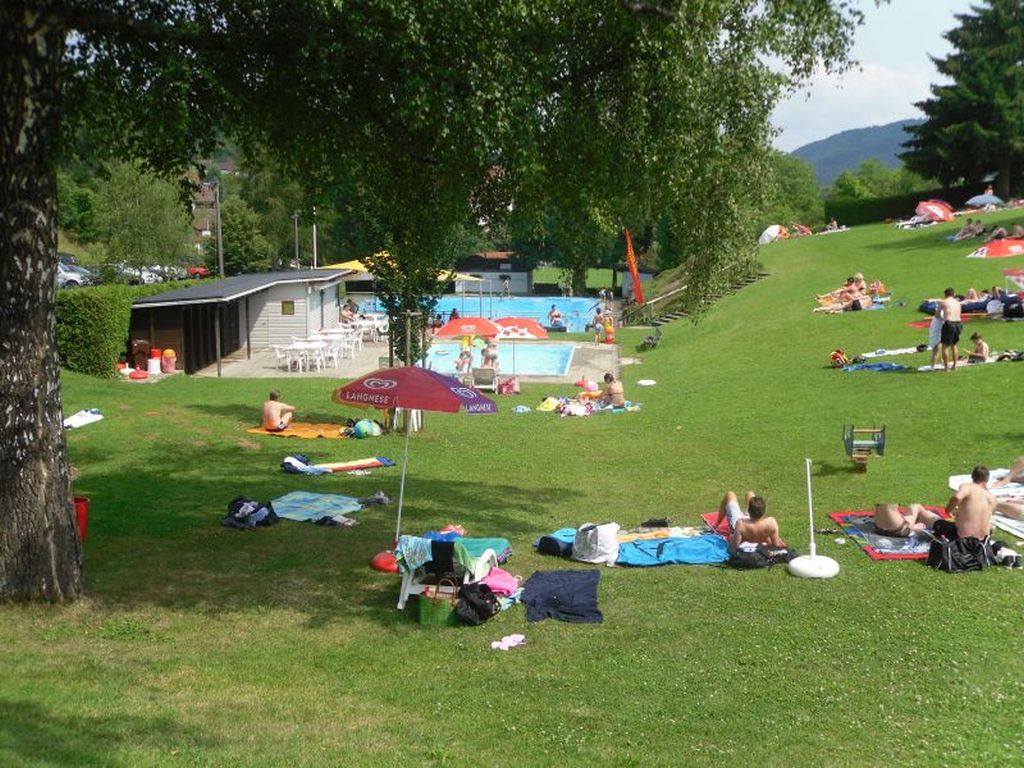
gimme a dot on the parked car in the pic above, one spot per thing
(197, 272)
(70, 277)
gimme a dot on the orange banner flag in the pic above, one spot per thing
(638, 290)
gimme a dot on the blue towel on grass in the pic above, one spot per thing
(303, 506)
(694, 550)
(875, 367)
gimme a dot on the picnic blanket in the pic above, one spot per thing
(348, 466)
(673, 550)
(966, 317)
(890, 352)
(883, 367)
(83, 417)
(303, 506)
(1006, 492)
(304, 430)
(1008, 524)
(860, 527)
(564, 595)
(960, 366)
(722, 530)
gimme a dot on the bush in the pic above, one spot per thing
(874, 209)
(93, 324)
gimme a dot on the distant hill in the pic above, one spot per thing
(845, 151)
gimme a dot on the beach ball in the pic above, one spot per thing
(363, 428)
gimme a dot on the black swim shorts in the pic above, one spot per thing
(950, 334)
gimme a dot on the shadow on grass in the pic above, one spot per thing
(831, 469)
(33, 735)
(155, 536)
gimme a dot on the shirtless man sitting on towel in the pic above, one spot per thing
(972, 507)
(750, 526)
(277, 415)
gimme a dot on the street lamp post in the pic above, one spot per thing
(295, 220)
(220, 241)
(314, 237)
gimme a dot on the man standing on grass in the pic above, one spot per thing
(949, 311)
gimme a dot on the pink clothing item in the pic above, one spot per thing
(501, 582)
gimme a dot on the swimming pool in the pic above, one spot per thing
(576, 312)
(526, 358)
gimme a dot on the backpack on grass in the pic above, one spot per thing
(476, 604)
(961, 555)
(762, 556)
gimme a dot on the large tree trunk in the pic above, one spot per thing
(40, 557)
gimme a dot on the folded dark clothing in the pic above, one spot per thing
(655, 522)
(563, 595)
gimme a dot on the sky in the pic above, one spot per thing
(893, 48)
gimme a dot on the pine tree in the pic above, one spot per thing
(975, 124)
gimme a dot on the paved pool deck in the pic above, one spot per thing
(589, 361)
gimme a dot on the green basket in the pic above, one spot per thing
(437, 604)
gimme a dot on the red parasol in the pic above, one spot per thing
(520, 328)
(412, 388)
(469, 326)
(936, 210)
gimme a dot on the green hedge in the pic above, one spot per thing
(874, 209)
(93, 323)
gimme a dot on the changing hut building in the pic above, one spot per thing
(205, 323)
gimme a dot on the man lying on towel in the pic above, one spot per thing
(750, 526)
(889, 521)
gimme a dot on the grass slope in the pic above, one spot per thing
(203, 646)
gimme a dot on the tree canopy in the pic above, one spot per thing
(975, 124)
(426, 113)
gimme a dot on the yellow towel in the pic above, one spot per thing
(305, 430)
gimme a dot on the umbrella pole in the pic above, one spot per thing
(405, 467)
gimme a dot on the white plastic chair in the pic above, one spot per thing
(415, 581)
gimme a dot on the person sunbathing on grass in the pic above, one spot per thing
(833, 296)
(276, 415)
(852, 301)
(1015, 475)
(750, 526)
(889, 521)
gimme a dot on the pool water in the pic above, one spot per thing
(525, 358)
(576, 312)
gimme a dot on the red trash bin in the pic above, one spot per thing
(82, 515)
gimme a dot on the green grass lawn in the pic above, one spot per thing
(596, 278)
(203, 646)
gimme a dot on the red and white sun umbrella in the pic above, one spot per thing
(1016, 276)
(469, 326)
(520, 328)
(999, 249)
(414, 388)
(936, 210)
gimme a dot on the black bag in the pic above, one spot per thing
(1013, 307)
(549, 545)
(961, 555)
(763, 556)
(476, 604)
